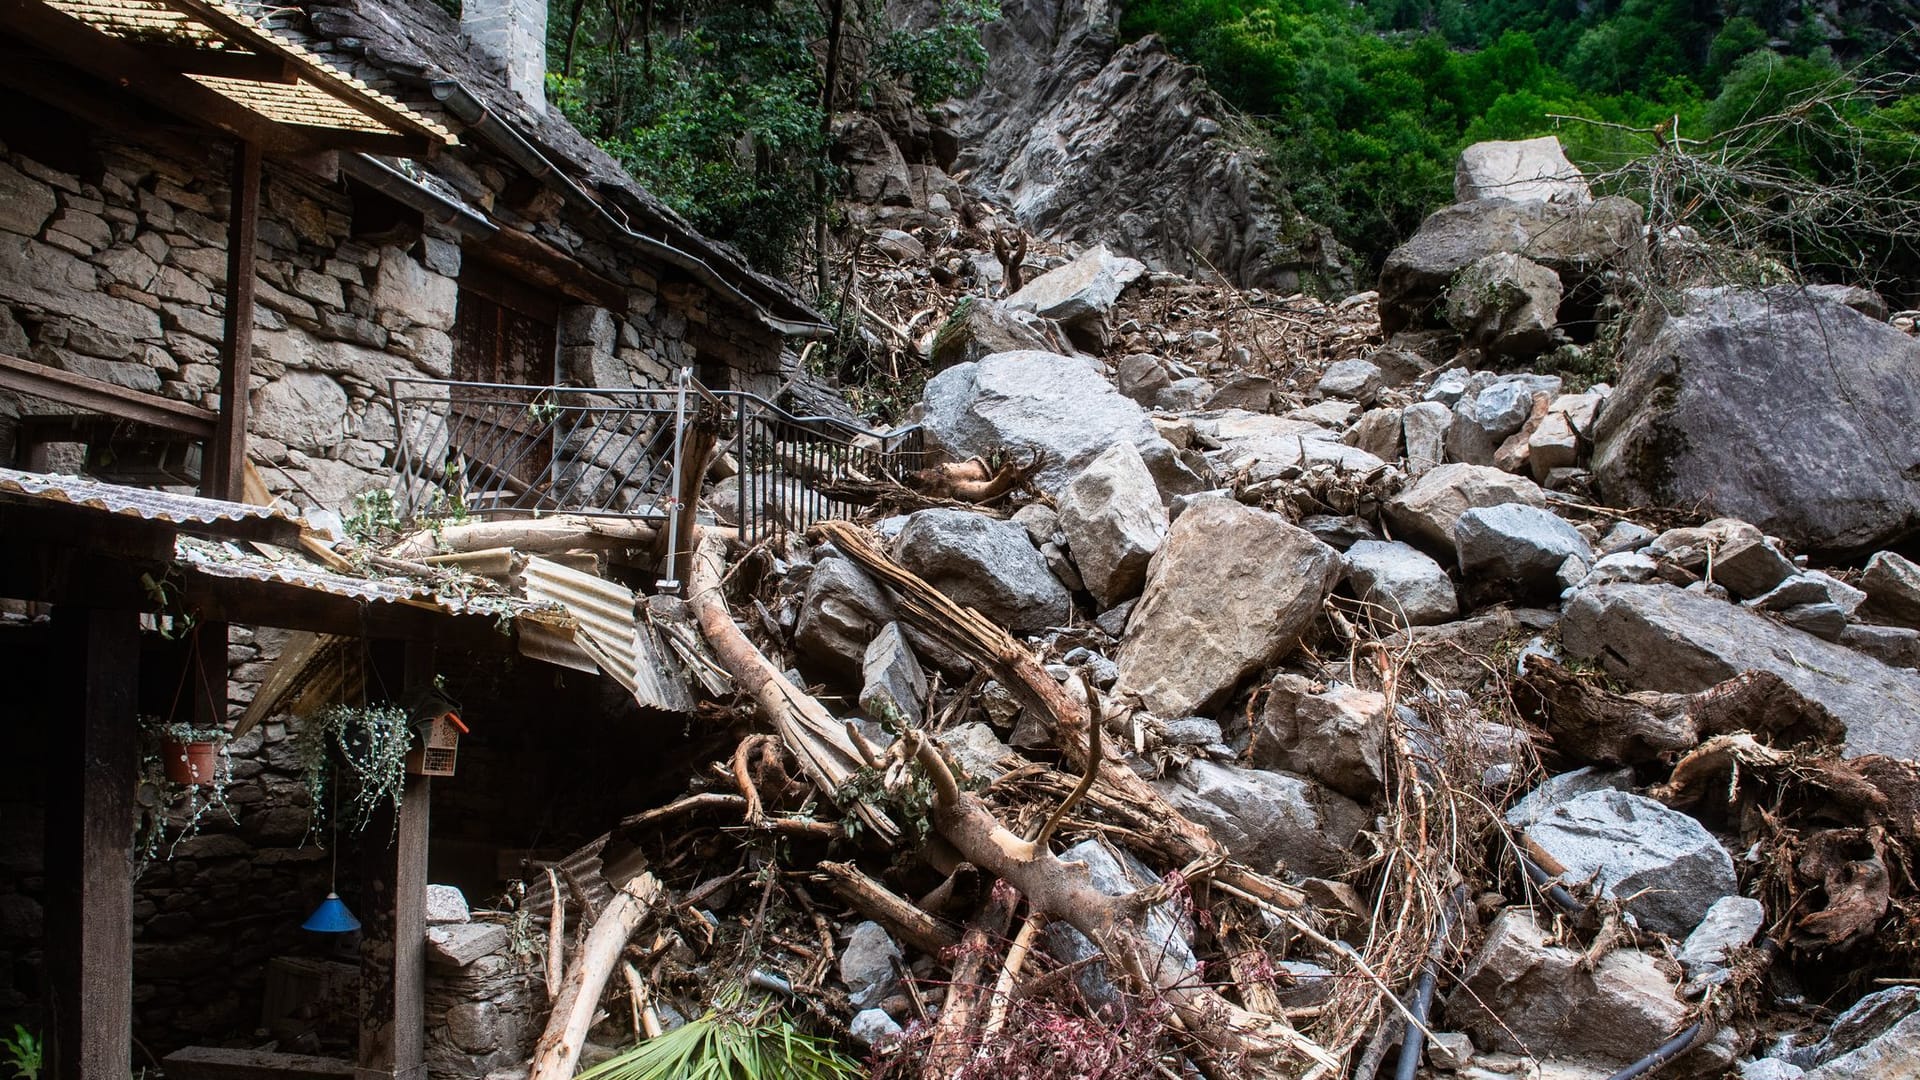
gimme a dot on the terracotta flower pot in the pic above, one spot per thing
(189, 762)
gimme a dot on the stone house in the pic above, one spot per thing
(406, 206)
(500, 246)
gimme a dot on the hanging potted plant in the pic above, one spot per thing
(191, 755)
(184, 773)
(371, 743)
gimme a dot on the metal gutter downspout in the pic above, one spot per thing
(404, 189)
(475, 114)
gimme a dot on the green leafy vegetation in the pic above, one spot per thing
(1366, 106)
(734, 1043)
(717, 106)
(23, 1053)
(370, 742)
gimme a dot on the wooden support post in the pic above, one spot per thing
(89, 847)
(393, 962)
(209, 675)
(223, 474)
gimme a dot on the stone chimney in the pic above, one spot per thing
(513, 33)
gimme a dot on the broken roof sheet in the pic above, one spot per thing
(188, 513)
(229, 561)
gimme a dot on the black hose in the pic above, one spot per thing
(1414, 1043)
(1556, 892)
(1668, 1050)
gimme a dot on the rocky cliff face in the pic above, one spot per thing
(1092, 141)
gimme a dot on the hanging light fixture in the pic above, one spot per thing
(332, 916)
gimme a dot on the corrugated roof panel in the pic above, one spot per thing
(610, 633)
(189, 513)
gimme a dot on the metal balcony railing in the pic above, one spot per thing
(496, 450)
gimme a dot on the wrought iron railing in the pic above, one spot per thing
(491, 449)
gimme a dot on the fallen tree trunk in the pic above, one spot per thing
(558, 1050)
(538, 536)
(816, 739)
(984, 643)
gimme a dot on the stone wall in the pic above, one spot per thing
(113, 262)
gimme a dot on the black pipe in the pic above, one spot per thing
(1556, 892)
(1668, 1050)
(1413, 1044)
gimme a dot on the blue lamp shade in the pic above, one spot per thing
(331, 917)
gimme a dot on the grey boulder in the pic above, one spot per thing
(1265, 818)
(1114, 523)
(1405, 586)
(1574, 241)
(986, 564)
(1663, 864)
(1231, 591)
(1892, 584)
(1658, 637)
(1514, 542)
(1505, 304)
(1426, 509)
(1082, 290)
(1774, 406)
(1521, 169)
(1039, 402)
(1520, 992)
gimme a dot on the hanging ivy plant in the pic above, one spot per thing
(370, 742)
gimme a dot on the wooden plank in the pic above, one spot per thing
(108, 399)
(292, 607)
(224, 476)
(89, 857)
(120, 63)
(393, 954)
(215, 1063)
(526, 256)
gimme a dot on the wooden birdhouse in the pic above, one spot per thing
(439, 745)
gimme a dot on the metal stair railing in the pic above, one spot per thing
(494, 449)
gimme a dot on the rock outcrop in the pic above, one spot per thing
(1089, 141)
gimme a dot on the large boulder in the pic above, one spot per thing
(979, 327)
(1337, 735)
(1113, 521)
(1665, 867)
(1266, 818)
(1892, 584)
(1518, 544)
(1784, 409)
(1659, 637)
(1039, 402)
(1232, 591)
(1877, 1039)
(1520, 993)
(1427, 509)
(1524, 169)
(1505, 304)
(1574, 241)
(1081, 291)
(1170, 929)
(986, 564)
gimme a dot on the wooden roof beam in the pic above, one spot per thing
(123, 64)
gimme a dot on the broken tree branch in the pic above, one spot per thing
(889, 909)
(558, 1050)
(817, 740)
